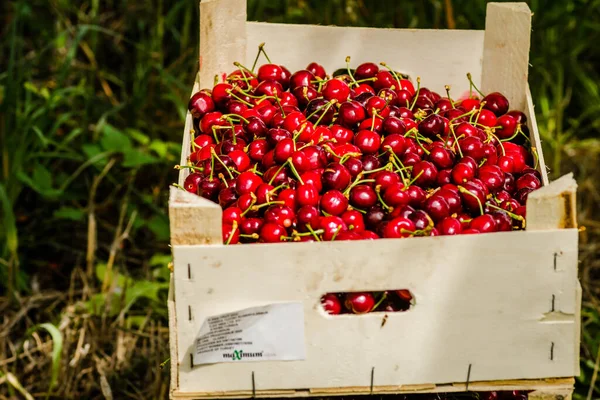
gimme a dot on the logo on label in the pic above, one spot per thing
(239, 354)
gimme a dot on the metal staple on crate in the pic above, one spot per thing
(189, 271)
(552, 352)
(468, 377)
(253, 386)
(372, 377)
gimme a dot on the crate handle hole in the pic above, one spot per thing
(365, 302)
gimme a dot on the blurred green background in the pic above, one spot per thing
(93, 97)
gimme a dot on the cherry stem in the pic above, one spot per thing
(327, 107)
(178, 186)
(372, 171)
(221, 177)
(393, 73)
(536, 157)
(383, 297)
(241, 67)
(278, 171)
(447, 87)
(378, 191)
(234, 227)
(456, 142)
(269, 203)
(463, 115)
(356, 183)
(394, 159)
(338, 230)
(235, 96)
(214, 130)
(373, 120)
(415, 178)
(466, 191)
(214, 154)
(294, 171)
(260, 46)
(309, 233)
(215, 80)
(358, 82)
(417, 93)
(499, 141)
(212, 164)
(313, 232)
(192, 167)
(348, 69)
(472, 85)
(251, 236)
(253, 196)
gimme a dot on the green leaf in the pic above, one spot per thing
(138, 136)
(8, 222)
(159, 225)
(113, 139)
(42, 177)
(57, 347)
(74, 214)
(160, 260)
(97, 304)
(136, 158)
(92, 150)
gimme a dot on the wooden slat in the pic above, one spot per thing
(222, 37)
(534, 137)
(542, 389)
(173, 335)
(439, 57)
(484, 300)
(506, 51)
(193, 219)
(553, 206)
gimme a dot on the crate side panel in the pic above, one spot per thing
(481, 300)
(439, 57)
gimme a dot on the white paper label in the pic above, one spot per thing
(271, 332)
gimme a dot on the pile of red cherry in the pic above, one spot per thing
(359, 155)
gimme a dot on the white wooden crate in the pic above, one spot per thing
(497, 310)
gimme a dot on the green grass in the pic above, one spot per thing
(92, 103)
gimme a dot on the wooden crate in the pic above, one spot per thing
(495, 311)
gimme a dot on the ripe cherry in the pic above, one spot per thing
(508, 126)
(366, 71)
(424, 174)
(367, 141)
(247, 182)
(331, 304)
(359, 303)
(316, 70)
(336, 89)
(334, 202)
(354, 220)
(307, 215)
(301, 78)
(332, 225)
(307, 195)
(336, 176)
(432, 126)
(200, 104)
(272, 233)
(449, 226)
(496, 102)
(484, 223)
(487, 118)
(399, 227)
(280, 214)
(437, 207)
(192, 181)
(363, 196)
(528, 180)
(351, 113)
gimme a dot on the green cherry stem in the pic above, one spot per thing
(214, 154)
(466, 191)
(472, 85)
(294, 171)
(260, 46)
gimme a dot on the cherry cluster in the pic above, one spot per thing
(365, 302)
(359, 155)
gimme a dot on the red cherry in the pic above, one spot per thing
(359, 303)
(313, 178)
(487, 118)
(441, 157)
(272, 233)
(301, 78)
(474, 199)
(247, 182)
(452, 198)
(351, 113)
(363, 196)
(332, 226)
(200, 104)
(341, 134)
(496, 102)
(366, 71)
(484, 223)
(377, 106)
(470, 104)
(432, 126)
(316, 70)
(336, 176)
(519, 116)
(280, 214)
(424, 173)
(502, 220)
(249, 226)
(462, 172)
(331, 304)
(384, 79)
(450, 226)
(231, 234)
(437, 207)
(220, 94)
(241, 160)
(367, 141)
(528, 181)
(284, 150)
(304, 94)
(384, 179)
(334, 202)
(398, 228)
(307, 195)
(354, 220)
(307, 216)
(416, 195)
(508, 126)
(192, 181)
(288, 196)
(336, 89)
(396, 195)
(394, 143)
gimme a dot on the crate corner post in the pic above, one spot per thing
(506, 51)
(185, 207)
(222, 38)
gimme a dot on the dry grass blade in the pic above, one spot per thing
(57, 348)
(14, 382)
